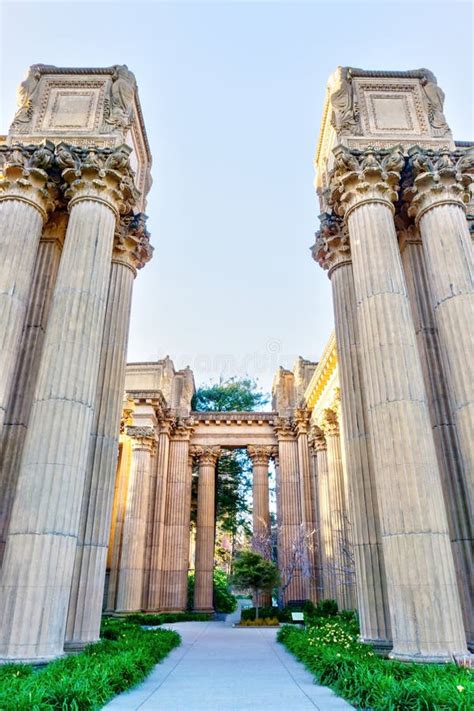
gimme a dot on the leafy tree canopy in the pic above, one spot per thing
(254, 572)
(231, 395)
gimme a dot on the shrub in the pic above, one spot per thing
(260, 622)
(164, 618)
(87, 681)
(330, 650)
(224, 601)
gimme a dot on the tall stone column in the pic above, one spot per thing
(261, 533)
(39, 555)
(26, 370)
(132, 559)
(439, 194)
(307, 510)
(342, 547)
(332, 252)
(291, 533)
(326, 551)
(156, 559)
(131, 252)
(205, 529)
(27, 195)
(453, 476)
(174, 578)
(425, 611)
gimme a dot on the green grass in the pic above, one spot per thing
(328, 647)
(124, 656)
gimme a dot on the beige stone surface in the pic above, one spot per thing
(205, 529)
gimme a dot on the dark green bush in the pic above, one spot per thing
(249, 613)
(166, 618)
(330, 650)
(224, 601)
(87, 681)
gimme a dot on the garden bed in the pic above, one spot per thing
(86, 681)
(328, 647)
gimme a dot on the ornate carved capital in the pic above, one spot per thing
(330, 423)
(100, 174)
(332, 247)
(367, 176)
(27, 174)
(439, 178)
(407, 231)
(283, 427)
(143, 437)
(132, 242)
(183, 427)
(260, 454)
(207, 456)
(317, 439)
(301, 421)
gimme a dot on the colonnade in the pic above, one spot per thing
(405, 359)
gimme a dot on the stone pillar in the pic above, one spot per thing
(26, 196)
(454, 479)
(307, 510)
(132, 559)
(425, 611)
(343, 555)
(174, 578)
(156, 558)
(325, 527)
(261, 535)
(131, 252)
(291, 533)
(332, 252)
(26, 370)
(261, 540)
(313, 436)
(205, 529)
(39, 555)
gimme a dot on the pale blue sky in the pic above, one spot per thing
(232, 97)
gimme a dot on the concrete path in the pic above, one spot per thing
(219, 668)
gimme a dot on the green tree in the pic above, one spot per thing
(231, 395)
(254, 572)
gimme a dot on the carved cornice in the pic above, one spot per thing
(100, 174)
(260, 455)
(27, 174)
(132, 246)
(143, 437)
(317, 439)
(207, 456)
(332, 246)
(301, 421)
(369, 176)
(439, 178)
(284, 427)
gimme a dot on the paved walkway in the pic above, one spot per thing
(219, 668)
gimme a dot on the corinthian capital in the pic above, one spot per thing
(365, 176)
(283, 427)
(317, 439)
(27, 174)
(301, 421)
(439, 178)
(101, 174)
(330, 423)
(332, 247)
(207, 456)
(259, 454)
(143, 437)
(132, 242)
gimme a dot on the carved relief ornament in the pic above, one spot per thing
(330, 423)
(207, 456)
(360, 177)
(283, 427)
(132, 242)
(101, 174)
(27, 174)
(317, 439)
(301, 421)
(439, 177)
(143, 437)
(345, 117)
(332, 246)
(260, 455)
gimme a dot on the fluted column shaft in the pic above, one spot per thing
(26, 197)
(342, 548)
(425, 611)
(41, 544)
(85, 605)
(174, 578)
(326, 551)
(118, 517)
(291, 535)
(372, 602)
(132, 559)
(205, 531)
(261, 531)
(156, 559)
(454, 480)
(27, 365)
(307, 510)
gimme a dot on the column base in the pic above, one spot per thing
(381, 647)
(460, 659)
(207, 610)
(35, 661)
(76, 646)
